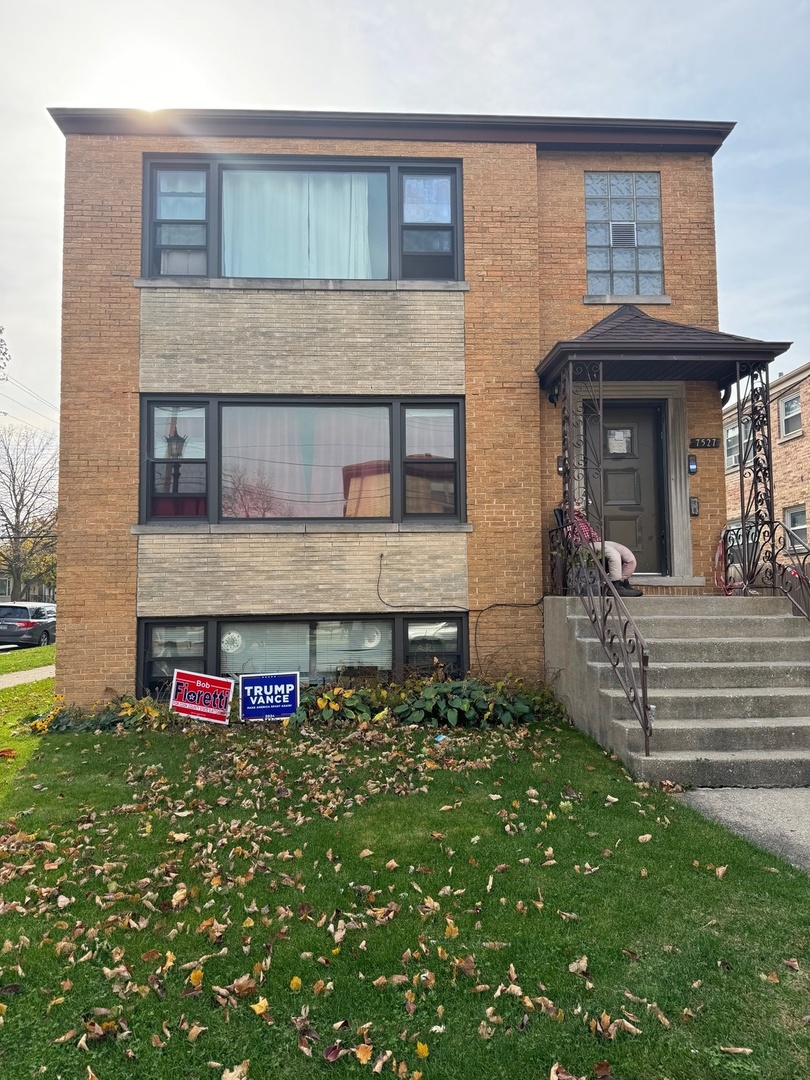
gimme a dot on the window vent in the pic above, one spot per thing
(623, 234)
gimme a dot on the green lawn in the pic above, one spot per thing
(17, 744)
(174, 904)
(26, 659)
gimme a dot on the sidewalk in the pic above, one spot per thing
(777, 819)
(14, 678)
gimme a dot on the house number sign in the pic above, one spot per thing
(704, 444)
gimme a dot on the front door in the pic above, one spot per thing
(633, 437)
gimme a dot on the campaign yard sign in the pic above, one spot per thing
(203, 697)
(268, 697)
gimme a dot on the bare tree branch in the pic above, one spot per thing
(28, 473)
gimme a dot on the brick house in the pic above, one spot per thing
(314, 384)
(789, 402)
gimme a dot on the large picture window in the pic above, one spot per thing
(321, 649)
(233, 459)
(251, 217)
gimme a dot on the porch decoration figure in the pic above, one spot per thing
(621, 562)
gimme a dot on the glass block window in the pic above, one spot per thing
(623, 234)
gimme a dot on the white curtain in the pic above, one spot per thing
(293, 224)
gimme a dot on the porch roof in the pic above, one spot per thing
(635, 347)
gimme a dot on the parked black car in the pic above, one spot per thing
(27, 623)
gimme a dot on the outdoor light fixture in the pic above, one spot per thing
(559, 465)
(692, 464)
(174, 445)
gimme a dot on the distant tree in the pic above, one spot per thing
(247, 495)
(28, 473)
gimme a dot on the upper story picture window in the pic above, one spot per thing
(233, 459)
(623, 234)
(790, 415)
(252, 218)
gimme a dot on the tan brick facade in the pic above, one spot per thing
(524, 260)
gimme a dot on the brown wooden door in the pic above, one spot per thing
(633, 509)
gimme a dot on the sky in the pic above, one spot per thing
(740, 60)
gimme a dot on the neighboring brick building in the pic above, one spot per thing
(300, 414)
(790, 450)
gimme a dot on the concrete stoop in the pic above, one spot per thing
(729, 678)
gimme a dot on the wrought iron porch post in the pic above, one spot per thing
(756, 474)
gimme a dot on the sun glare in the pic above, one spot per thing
(135, 78)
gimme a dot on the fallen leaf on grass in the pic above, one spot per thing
(261, 1006)
(559, 1073)
(195, 1031)
(422, 1050)
(736, 1050)
(645, 839)
(364, 854)
(8, 753)
(363, 1053)
(771, 977)
(238, 1072)
(793, 964)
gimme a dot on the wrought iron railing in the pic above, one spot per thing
(766, 556)
(579, 570)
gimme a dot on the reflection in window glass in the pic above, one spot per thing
(430, 470)
(320, 651)
(791, 411)
(291, 461)
(796, 521)
(171, 646)
(179, 432)
(426, 200)
(433, 640)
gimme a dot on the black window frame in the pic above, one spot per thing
(213, 405)
(399, 621)
(215, 164)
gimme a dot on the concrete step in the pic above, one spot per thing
(714, 703)
(744, 768)
(708, 605)
(774, 674)
(722, 650)
(707, 627)
(733, 734)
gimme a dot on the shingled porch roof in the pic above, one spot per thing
(635, 347)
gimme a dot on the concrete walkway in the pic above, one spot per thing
(14, 678)
(777, 819)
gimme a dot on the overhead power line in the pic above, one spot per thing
(50, 419)
(33, 393)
